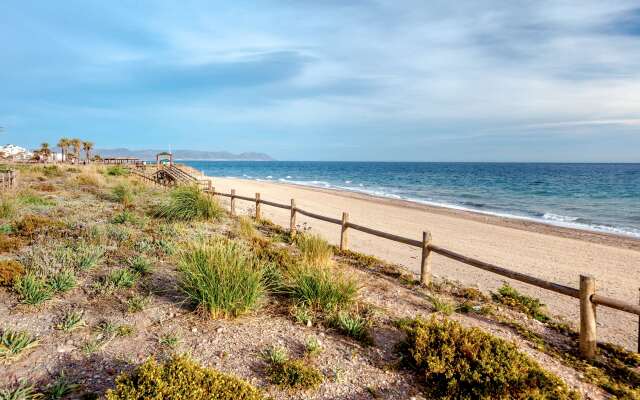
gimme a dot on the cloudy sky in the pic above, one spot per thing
(328, 80)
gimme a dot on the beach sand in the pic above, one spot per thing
(553, 253)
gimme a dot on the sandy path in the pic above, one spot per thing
(545, 252)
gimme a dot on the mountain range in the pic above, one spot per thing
(149, 154)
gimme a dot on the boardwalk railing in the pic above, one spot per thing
(586, 293)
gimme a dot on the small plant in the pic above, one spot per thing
(52, 171)
(321, 288)
(245, 228)
(353, 325)
(7, 207)
(137, 303)
(117, 170)
(169, 340)
(32, 289)
(125, 330)
(442, 305)
(312, 346)
(123, 194)
(122, 278)
(295, 374)
(88, 256)
(72, 320)
(124, 217)
(63, 281)
(23, 391)
(91, 346)
(187, 203)
(302, 314)
(10, 270)
(14, 344)
(107, 329)
(140, 264)
(530, 306)
(275, 355)
(463, 363)
(315, 250)
(9, 243)
(6, 229)
(180, 378)
(61, 387)
(221, 277)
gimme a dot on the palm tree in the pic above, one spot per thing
(87, 146)
(44, 150)
(63, 144)
(77, 144)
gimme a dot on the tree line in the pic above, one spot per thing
(70, 149)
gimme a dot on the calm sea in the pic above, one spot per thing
(600, 197)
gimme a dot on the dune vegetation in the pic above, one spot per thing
(114, 287)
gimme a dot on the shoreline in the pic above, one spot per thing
(515, 222)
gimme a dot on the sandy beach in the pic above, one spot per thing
(553, 253)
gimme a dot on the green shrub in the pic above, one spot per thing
(32, 199)
(13, 344)
(6, 229)
(442, 305)
(32, 289)
(315, 250)
(8, 207)
(180, 378)
(116, 170)
(530, 306)
(140, 264)
(123, 194)
(188, 203)
(295, 374)
(122, 278)
(321, 288)
(123, 217)
(221, 277)
(468, 363)
(312, 346)
(88, 256)
(137, 303)
(63, 281)
(52, 171)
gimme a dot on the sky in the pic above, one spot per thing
(328, 80)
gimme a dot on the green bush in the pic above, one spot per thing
(468, 363)
(125, 216)
(180, 378)
(221, 277)
(530, 306)
(52, 171)
(187, 203)
(32, 289)
(315, 250)
(353, 325)
(320, 287)
(116, 170)
(123, 194)
(294, 374)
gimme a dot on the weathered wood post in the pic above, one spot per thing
(425, 259)
(233, 202)
(344, 238)
(209, 185)
(213, 191)
(587, 317)
(639, 322)
(258, 216)
(292, 221)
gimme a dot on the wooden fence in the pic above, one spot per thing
(586, 293)
(7, 179)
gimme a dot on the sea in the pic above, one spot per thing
(595, 197)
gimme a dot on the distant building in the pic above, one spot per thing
(15, 153)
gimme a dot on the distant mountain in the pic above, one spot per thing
(148, 154)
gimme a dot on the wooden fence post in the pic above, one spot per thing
(209, 185)
(639, 322)
(292, 221)
(425, 259)
(213, 191)
(233, 202)
(587, 317)
(258, 207)
(344, 238)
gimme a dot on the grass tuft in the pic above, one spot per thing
(8, 207)
(530, 306)
(14, 344)
(320, 288)
(71, 320)
(294, 374)
(221, 277)
(315, 250)
(63, 281)
(122, 278)
(61, 387)
(187, 203)
(442, 305)
(123, 194)
(353, 325)
(116, 170)
(23, 391)
(32, 289)
(140, 264)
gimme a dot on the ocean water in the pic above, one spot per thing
(598, 197)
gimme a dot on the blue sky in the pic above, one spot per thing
(328, 80)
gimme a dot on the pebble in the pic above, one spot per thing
(194, 329)
(65, 349)
(219, 330)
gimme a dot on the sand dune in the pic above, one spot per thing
(556, 254)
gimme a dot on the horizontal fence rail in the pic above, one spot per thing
(586, 292)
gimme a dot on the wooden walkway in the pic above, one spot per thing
(170, 176)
